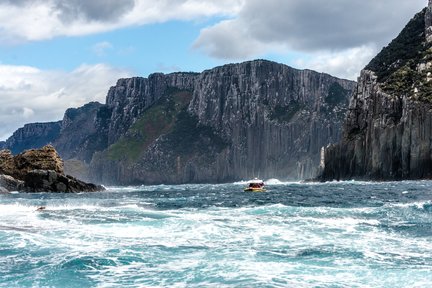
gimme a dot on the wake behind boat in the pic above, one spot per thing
(255, 185)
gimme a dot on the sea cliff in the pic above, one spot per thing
(237, 121)
(388, 131)
(257, 118)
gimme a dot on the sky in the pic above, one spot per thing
(57, 54)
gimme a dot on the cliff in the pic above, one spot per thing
(237, 121)
(83, 132)
(388, 131)
(34, 135)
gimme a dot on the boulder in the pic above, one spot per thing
(45, 158)
(8, 183)
(52, 181)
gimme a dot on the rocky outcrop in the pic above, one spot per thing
(51, 181)
(388, 130)
(38, 170)
(8, 183)
(45, 158)
(237, 121)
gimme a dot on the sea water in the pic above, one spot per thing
(346, 234)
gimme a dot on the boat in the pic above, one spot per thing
(255, 185)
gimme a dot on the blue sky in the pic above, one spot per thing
(56, 54)
(163, 47)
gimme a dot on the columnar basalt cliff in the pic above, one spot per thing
(233, 122)
(257, 118)
(388, 130)
(131, 97)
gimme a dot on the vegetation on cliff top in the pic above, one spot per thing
(407, 46)
(156, 121)
(167, 117)
(397, 65)
(188, 135)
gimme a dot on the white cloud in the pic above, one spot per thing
(345, 64)
(28, 94)
(338, 36)
(31, 20)
(27, 112)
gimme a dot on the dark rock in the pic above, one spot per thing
(51, 181)
(8, 183)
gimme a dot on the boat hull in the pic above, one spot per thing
(254, 190)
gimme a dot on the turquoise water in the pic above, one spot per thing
(348, 234)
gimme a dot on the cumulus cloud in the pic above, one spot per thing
(94, 10)
(31, 20)
(322, 29)
(28, 94)
(346, 63)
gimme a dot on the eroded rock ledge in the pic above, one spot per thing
(38, 170)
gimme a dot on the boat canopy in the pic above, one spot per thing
(255, 181)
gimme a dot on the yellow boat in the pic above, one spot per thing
(255, 185)
(247, 189)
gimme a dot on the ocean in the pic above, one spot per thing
(338, 234)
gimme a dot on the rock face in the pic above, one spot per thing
(45, 158)
(51, 181)
(233, 122)
(32, 136)
(83, 132)
(238, 121)
(131, 97)
(388, 130)
(38, 170)
(8, 183)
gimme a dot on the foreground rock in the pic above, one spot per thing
(51, 181)
(8, 183)
(38, 170)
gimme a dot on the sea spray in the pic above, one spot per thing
(295, 234)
